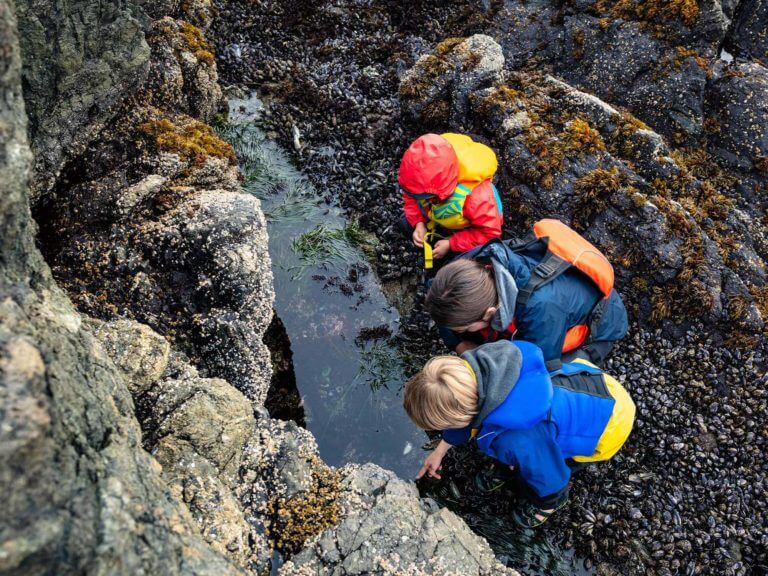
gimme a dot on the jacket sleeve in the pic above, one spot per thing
(536, 456)
(481, 210)
(544, 323)
(412, 211)
(456, 436)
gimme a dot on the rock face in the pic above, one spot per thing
(149, 221)
(661, 60)
(384, 528)
(74, 80)
(442, 81)
(80, 495)
(649, 56)
(747, 36)
(196, 428)
(737, 104)
(182, 75)
(243, 476)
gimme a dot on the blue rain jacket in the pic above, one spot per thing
(551, 311)
(526, 422)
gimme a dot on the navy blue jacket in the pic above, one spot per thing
(550, 312)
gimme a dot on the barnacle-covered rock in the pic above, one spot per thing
(182, 75)
(385, 528)
(747, 35)
(438, 85)
(139, 352)
(737, 103)
(652, 56)
(161, 233)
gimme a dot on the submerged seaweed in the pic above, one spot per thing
(324, 246)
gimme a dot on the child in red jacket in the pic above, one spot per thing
(448, 191)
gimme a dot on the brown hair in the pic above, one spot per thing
(461, 293)
(443, 395)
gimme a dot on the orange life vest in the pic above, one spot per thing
(566, 248)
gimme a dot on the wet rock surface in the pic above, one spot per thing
(683, 226)
(79, 493)
(383, 528)
(738, 106)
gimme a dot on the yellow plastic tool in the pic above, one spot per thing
(430, 237)
(428, 260)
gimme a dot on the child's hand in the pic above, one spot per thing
(433, 461)
(432, 465)
(419, 231)
(441, 249)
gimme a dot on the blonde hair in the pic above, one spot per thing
(443, 395)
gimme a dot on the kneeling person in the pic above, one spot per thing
(537, 423)
(554, 289)
(448, 193)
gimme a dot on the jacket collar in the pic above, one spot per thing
(496, 367)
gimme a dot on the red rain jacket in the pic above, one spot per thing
(431, 166)
(479, 208)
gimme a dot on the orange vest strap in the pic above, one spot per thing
(577, 251)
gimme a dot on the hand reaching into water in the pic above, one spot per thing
(433, 463)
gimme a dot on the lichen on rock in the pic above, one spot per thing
(193, 140)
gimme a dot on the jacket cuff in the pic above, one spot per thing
(454, 437)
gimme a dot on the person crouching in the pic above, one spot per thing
(537, 423)
(449, 200)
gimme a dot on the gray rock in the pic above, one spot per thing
(185, 253)
(140, 353)
(280, 456)
(747, 35)
(196, 428)
(278, 471)
(385, 528)
(79, 492)
(74, 79)
(441, 82)
(221, 238)
(653, 62)
(217, 514)
(208, 415)
(151, 186)
(737, 101)
(197, 12)
(182, 75)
